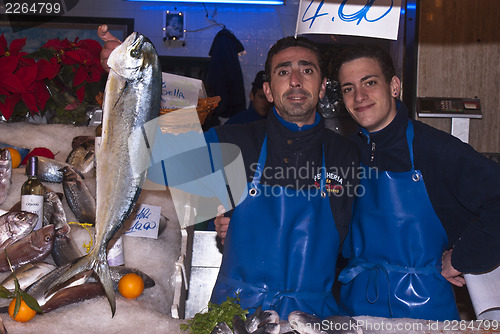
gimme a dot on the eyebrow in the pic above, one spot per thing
(301, 63)
(367, 77)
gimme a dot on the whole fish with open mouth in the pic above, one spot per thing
(34, 247)
(80, 200)
(5, 174)
(15, 225)
(132, 99)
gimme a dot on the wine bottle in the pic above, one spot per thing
(33, 192)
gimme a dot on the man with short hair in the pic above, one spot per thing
(259, 106)
(432, 193)
(281, 248)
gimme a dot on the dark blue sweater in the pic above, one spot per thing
(462, 184)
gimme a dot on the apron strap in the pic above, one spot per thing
(273, 298)
(357, 266)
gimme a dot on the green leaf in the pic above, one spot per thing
(17, 306)
(4, 293)
(30, 301)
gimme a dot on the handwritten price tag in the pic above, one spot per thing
(146, 222)
(368, 18)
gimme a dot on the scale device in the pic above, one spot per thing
(448, 107)
(460, 110)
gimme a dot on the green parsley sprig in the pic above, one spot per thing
(204, 323)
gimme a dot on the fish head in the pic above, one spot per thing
(21, 219)
(130, 59)
(43, 237)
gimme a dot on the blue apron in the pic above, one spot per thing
(280, 250)
(394, 248)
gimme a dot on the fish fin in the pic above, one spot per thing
(79, 265)
(104, 274)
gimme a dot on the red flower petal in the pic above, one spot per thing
(80, 76)
(17, 45)
(7, 108)
(30, 101)
(80, 93)
(3, 45)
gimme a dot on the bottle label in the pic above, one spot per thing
(33, 204)
(115, 252)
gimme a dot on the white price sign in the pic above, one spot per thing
(368, 18)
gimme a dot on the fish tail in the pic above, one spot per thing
(104, 274)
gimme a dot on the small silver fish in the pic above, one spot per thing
(221, 328)
(259, 318)
(5, 174)
(53, 212)
(15, 225)
(49, 170)
(27, 275)
(80, 200)
(82, 158)
(131, 99)
(305, 323)
(34, 247)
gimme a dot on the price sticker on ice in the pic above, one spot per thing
(146, 222)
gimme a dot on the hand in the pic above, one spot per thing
(221, 223)
(111, 43)
(447, 271)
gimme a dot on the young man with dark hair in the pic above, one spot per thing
(432, 213)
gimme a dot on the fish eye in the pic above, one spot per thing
(135, 53)
(47, 238)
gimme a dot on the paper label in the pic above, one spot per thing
(33, 204)
(179, 92)
(368, 18)
(146, 222)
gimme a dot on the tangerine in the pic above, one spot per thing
(15, 156)
(131, 285)
(24, 314)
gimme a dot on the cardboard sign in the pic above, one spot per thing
(368, 18)
(146, 222)
(179, 92)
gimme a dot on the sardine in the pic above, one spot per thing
(221, 328)
(34, 247)
(5, 174)
(27, 275)
(87, 142)
(80, 200)
(259, 318)
(132, 99)
(53, 212)
(305, 323)
(49, 170)
(82, 158)
(79, 288)
(15, 225)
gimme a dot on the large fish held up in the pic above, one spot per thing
(131, 99)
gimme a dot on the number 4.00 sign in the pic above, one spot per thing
(368, 18)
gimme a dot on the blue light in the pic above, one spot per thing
(243, 2)
(412, 6)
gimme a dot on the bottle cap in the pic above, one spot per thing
(32, 166)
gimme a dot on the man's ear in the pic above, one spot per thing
(395, 86)
(267, 90)
(322, 90)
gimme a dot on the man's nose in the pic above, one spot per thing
(359, 94)
(295, 79)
